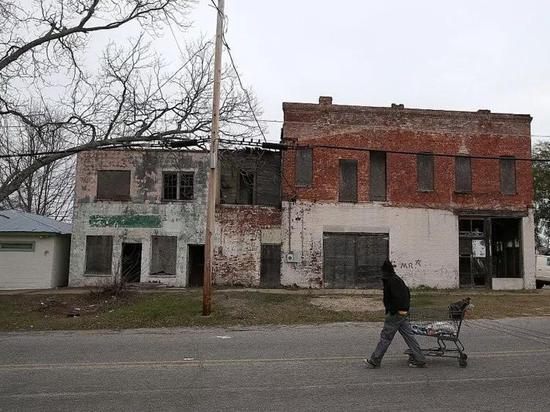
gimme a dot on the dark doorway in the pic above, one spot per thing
(196, 265)
(131, 262)
(506, 248)
(353, 260)
(270, 270)
(474, 259)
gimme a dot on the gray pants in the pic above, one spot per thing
(392, 324)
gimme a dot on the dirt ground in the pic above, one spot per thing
(349, 303)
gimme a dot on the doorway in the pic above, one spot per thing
(196, 265)
(506, 248)
(131, 262)
(270, 269)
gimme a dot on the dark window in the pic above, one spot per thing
(99, 251)
(425, 172)
(463, 174)
(170, 186)
(304, 167)
(113, 185)
(377, 172)
(508, 175)
(246, 188)
(178, 185)
(164, 252)
(348, 180)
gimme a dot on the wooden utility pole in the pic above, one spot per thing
(213, 170)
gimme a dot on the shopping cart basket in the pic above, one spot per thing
(444, 326)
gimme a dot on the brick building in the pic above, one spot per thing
(443, 194)
(141, 214)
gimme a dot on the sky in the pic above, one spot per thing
(460, 55)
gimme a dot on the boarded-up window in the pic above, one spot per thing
(245, 195)
(377, 173)
(348, 180)
(99, 251)
(463, 174)
(163, 255)
(113, 185)
(304, 167)
(178, 185)
(508, 175)
(425, 172)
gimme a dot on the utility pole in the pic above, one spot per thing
(213, 170)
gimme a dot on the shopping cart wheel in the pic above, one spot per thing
(463, 360)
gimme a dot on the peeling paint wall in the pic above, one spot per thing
(144, 216)
(240, 232)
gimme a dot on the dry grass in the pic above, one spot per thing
(169, 309)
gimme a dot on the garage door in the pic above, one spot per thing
(353, 260)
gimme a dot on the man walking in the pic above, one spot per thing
(397, 303)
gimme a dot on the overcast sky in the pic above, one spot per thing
(462, 55)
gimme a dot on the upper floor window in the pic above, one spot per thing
(304, 167)
(377, 176)
(245, 192)
(425, 172)
(463, 174)
(508, 175)
(348, 180)
(113, 185)
(178, 185)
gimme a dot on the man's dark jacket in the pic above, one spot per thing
(396, 294)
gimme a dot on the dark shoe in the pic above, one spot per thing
(370, 364)
(417, 365)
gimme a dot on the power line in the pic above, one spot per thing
(405, 152)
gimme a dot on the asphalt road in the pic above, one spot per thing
(272, 368)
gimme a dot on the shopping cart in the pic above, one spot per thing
(444, 326)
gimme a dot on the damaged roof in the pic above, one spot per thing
(22, 222)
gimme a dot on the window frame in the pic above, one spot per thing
(379, 154)
(503, 161)
(428, 157)
(89, 272)
(178, 174)
(354, 197)
(309, 172)
(463, 158)
(18, 242)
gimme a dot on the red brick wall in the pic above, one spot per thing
(411, 130)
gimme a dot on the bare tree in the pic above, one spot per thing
(48, 191)
(133, 98)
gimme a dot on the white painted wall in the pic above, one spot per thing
(28, 270)
(528, 242)
(423, 242)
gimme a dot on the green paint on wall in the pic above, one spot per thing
(136, 221)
